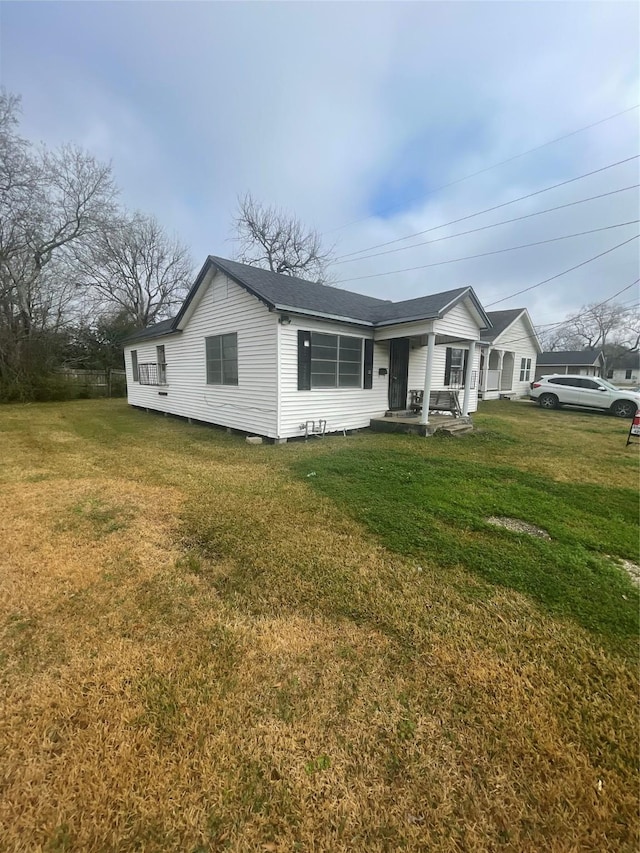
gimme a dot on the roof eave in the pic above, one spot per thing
(305, 312)
(416, 318)
(468, 292)
(132, 339)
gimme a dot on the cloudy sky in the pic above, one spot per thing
(355, 117)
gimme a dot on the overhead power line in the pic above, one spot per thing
(548, 326)
(564, 272)
(490, 209)
(494, 252)
(486, 168)
(486, 227)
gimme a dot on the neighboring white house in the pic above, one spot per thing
(581, 362)
(265, 353)
(624, 369)
(510, 349)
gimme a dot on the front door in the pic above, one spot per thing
(398, 372)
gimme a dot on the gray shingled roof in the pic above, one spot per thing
(283, 292)
(155, 331)
(500, 320)
(625, 360)
(575, 357)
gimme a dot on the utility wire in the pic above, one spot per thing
(487, 168)
(485, 227)
(564, 272)
(494, 252)
(490, 209)
(545, 327)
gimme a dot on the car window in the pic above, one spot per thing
(608, 385)
(589, 383)
(564, 380)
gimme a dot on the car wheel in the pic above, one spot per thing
(623, 409)
(548, 401)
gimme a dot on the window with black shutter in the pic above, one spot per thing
(368, 364)
(329, 361)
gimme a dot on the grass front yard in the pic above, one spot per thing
(212, 646)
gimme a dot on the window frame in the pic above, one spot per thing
(356, 367)
(525, 369)
(161, 362)
(134, 365)
(231, 379)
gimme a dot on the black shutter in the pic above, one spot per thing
(464, 368)
(368, 363)
(304, 360)
(447, 367)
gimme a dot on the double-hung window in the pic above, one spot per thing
(336, 361)
(455, 366)
(525, 369)
(222, 359)
(162, 365)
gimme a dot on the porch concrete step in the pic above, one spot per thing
(398, 425)
(455, 429)
(402, 413)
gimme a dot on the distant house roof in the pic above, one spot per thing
(625, 361)
(576, 358)
(287, 293)
(500, 320)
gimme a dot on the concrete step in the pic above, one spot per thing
(456, 429)
(403, 413)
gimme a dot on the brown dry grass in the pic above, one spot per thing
(198, 654)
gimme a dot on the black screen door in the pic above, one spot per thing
(398, 372)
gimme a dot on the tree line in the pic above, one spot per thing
(79, 272)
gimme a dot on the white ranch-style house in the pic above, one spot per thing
(510, 349)
(275, 356)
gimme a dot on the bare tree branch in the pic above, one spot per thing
(271, 239)
(136, 268)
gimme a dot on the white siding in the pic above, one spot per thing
(342, 408)
(620, 376)
(517, 339)
(459, 322)
(418, 363)
(223, 307)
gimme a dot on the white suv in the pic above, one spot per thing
(588, 391)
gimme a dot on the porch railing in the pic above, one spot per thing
(490, 380)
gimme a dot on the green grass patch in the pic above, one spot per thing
(436, 510)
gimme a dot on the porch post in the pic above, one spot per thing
(431, 343)
(467, 379)
(484, 373)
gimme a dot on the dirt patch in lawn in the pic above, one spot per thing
(632, 569)
(518, 526)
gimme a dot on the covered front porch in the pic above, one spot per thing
(432, 380)
(497, 367)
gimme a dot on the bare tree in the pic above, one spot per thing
(49, 201)
(597, 326)
(135, 268)
(274, 240)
